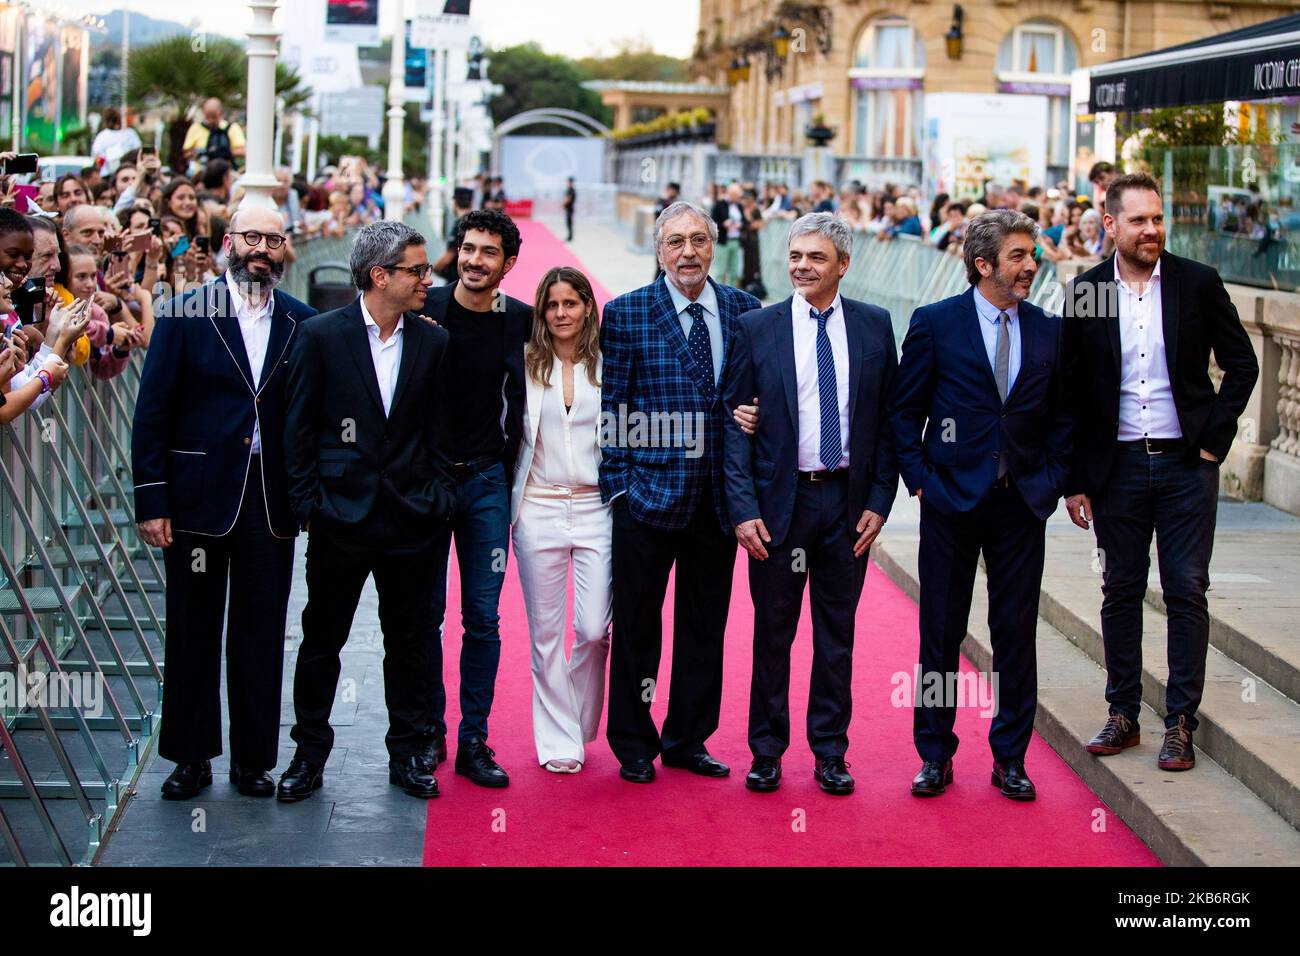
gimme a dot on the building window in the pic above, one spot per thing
(887, 76)
(1037, 58)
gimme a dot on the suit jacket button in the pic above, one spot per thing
(248, 441)
(995, 455)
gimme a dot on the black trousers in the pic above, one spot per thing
(337, 569)
(259, 569)
(1174, 497)
(1013, 541)
(568, 221)
(705, 559)
(818, 550)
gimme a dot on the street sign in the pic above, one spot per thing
(358, 112)
(432, 29)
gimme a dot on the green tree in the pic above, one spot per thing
(636, 61)
(533, 78)
(175, 76)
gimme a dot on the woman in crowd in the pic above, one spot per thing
(69, 191)
(364, 207)
(558, 519)
(181, 200)
(111, 339)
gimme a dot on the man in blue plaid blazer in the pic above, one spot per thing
(665, 346)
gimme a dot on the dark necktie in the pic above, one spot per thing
(698, 341)
(832, 448)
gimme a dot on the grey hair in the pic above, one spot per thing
(673, 210)
(379, 244)
(985, 233)
(72, 218)
(1092, 215)
(829, 226)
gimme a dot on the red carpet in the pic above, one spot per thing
(540, 251)
(594, 818)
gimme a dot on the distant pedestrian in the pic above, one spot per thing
(570, 201)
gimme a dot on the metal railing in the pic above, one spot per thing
(80, 625)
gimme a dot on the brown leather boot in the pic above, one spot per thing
(1176, 752)
(1119, 734)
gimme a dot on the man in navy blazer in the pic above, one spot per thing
(983, 437)
(665, 346)
(811, 489)
(208, 458)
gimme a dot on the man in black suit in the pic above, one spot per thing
(208, 460)
(482, 402)
(983, 438)
(1150, 432)
(365, 480)
(810, 491)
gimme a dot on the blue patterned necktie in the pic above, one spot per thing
(832, 448)
(698, 341)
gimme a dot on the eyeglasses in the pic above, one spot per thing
(698, 241)
(274, 240)
(419, 271)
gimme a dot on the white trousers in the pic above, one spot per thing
(549, 534)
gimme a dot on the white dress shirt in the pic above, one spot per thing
(255, 329)
(566, 453)
(708, 301)
(1146, 393)
(809, 390)
(988, 312)
(387, 356)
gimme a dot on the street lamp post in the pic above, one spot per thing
(394, 187)
(259, 171)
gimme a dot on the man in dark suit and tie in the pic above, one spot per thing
(664, 348)
(810, 491)
(367, 483)
(983, 438)
(208, 460)
(1149, 434)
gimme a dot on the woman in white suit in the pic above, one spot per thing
(558, 519)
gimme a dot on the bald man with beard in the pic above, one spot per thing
(208, 459)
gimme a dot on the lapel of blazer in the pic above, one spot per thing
(1169, 312)
(970, 322)
(665, 316)
(783, 332)
(283, 325)
(412, 343)
(853, 328)
(533, 401)
(727, 316)
(221, 311)
(1105, 292)
(356, 339)
(1030, 338)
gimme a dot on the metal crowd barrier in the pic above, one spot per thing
(81, 628)
(898, 275)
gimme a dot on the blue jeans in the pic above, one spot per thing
(481, 526)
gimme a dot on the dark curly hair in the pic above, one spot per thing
(492, 221)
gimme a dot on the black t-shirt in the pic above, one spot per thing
(476, 369)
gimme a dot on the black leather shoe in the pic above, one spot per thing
(700, 763)
(435, 752)
(474, 760)
(299, 781)
(1120, 733)
(638, 771)
(1010, 776)
(187, 780)
(833, 774)
(413, 775)
(933, 779)
(764, 775)
(252, 783)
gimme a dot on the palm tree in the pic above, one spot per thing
(173, 74)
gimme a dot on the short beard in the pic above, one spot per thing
(245, 279)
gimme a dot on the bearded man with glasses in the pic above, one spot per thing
(207, 453)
